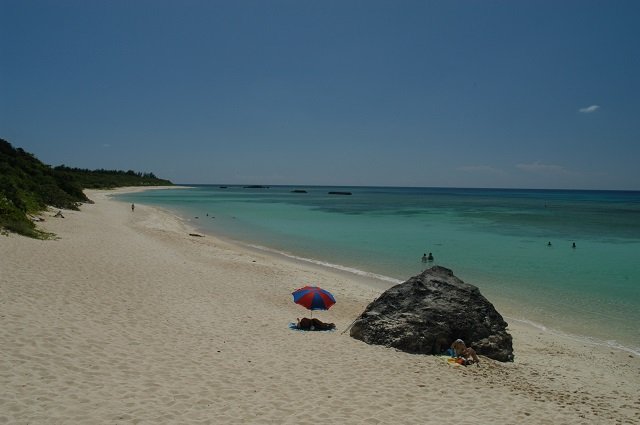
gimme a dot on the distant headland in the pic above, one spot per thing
(28, 187)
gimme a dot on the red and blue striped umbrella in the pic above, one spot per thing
(313, 298)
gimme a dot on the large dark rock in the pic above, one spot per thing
(425, 314)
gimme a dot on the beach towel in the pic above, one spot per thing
(451, 361)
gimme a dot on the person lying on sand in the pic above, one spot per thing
(467, 353)
(314, 325)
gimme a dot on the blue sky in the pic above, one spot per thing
(531, 94)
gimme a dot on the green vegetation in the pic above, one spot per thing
(27, 186)
(108, 179)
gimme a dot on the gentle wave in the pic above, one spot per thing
(329, 265)
(579, 338)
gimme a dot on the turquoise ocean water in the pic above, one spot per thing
(496, 239)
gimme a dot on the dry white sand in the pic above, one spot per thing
(127, 319)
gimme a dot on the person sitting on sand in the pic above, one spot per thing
(461, 350)
(314, 325)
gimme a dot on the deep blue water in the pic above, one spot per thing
(496, 239)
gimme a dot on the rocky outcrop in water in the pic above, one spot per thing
(425, 314)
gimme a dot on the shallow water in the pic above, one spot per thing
(494, 239)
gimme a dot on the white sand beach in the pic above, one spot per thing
(127, 319)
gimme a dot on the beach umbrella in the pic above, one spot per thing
(313, 298)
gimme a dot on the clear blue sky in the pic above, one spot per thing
(533, 94)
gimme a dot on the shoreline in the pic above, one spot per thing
(125, 318)
(381, 283)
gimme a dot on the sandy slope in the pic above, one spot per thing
(128, 319)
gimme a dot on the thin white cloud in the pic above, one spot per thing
(106, 145)
(589, 109)
(481, 169)
(538, 168)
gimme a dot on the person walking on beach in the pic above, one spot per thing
(133, 207)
